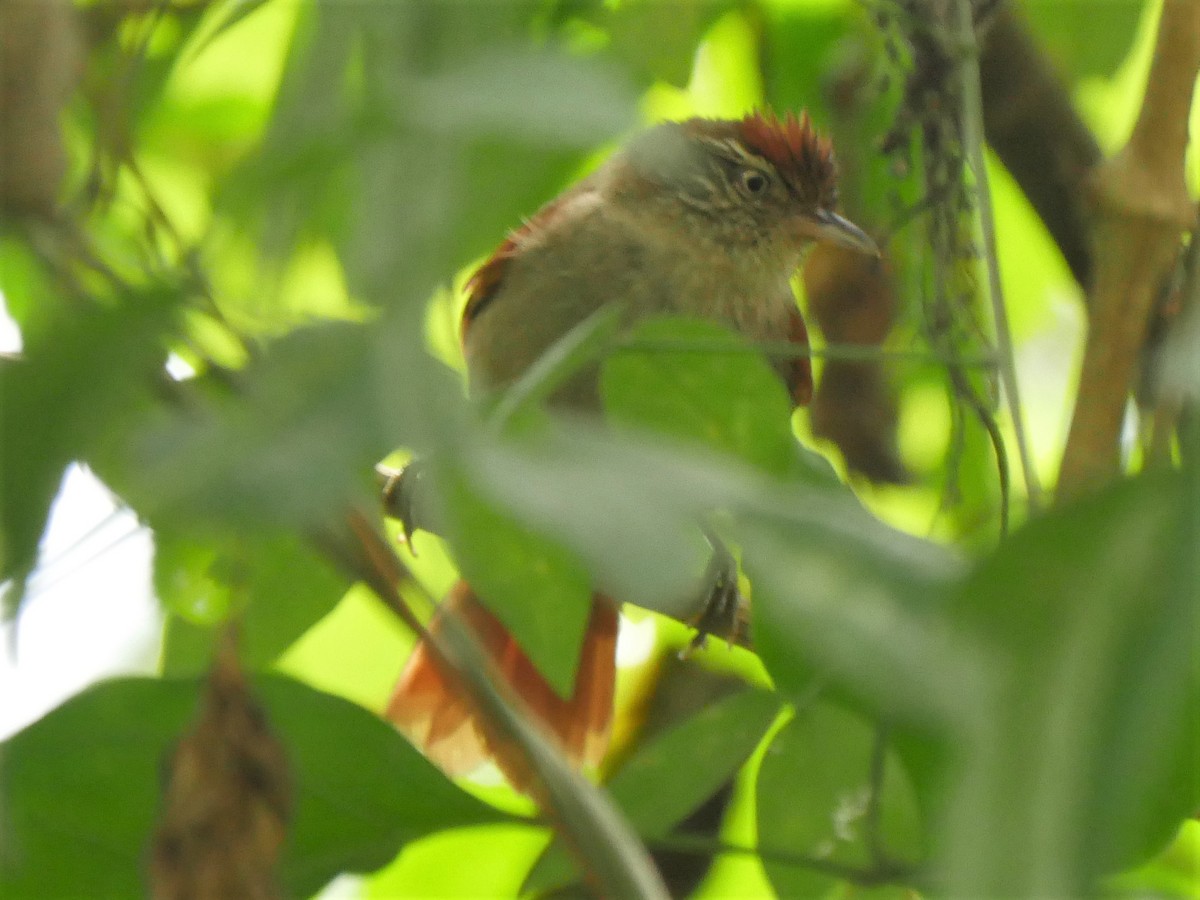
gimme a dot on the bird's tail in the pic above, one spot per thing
(430, 709)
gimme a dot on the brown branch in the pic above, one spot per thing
(40, 59)
(1142, 206)
(605, 847)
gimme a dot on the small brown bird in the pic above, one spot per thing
(704, 218)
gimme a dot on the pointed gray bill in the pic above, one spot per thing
(824, 225)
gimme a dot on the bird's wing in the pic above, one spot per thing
(485, 282)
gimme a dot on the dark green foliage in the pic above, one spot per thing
(78, 823)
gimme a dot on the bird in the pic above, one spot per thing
(705, 218)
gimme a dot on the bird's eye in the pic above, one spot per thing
(753, 182)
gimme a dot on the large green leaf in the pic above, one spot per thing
(275, 584)
(841, 599)
(673, 773)
(536, 587)
(629, 505)
(1084, 760)
(628, 512)
(297, 436)
(699, 382)
(84, 375)
(814, 800)
(81, 788)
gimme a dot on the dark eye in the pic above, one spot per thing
(753, 182)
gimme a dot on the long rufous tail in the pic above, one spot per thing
(429, 708)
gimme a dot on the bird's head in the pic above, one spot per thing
(762, 184)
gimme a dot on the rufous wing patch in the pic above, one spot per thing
(430, 708)
(485, 282)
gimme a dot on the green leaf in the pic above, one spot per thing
(296, 440)
(274, 583)
(630, 506)
(228, 17)
(621, 508)
(1085, 763)
(1085, 39)
(814, 789)
(500, 857)
(538, 589)
(84, 375)
(842, 599)
(81, 788)
(698, 381)
(673, 773)
(657, 41)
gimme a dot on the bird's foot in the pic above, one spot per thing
(400, 494)
(724, 611)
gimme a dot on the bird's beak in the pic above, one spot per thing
(824, 225)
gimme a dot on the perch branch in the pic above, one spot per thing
(613, 860)
(973, 138)
(1142, 206)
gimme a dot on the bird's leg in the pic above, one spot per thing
(401, 494)
(724, 610)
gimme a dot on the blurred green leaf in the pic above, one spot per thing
(1085, 39)
(699, 381)
(275, 585)
(87, 777)
(628, 511)
(538, 589)
(499, 855)
(670, 775)
(73, 394)
(801, 43)
(678, 769)
(1085, 762)
(657, 41)
(1175, 872)
(842, 599)
(814, 794)
(227, 16)
(295, 439)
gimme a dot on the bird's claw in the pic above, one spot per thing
(723, 612)
(398, 491)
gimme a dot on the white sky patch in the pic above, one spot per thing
(10, 334)
(89, 611)
(179, 368)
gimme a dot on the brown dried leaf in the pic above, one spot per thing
(226, 800)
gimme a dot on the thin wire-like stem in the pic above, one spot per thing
(788, 350)
(972, 114)
(864, 876)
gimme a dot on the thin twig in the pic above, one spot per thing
(864, 876)
(604, 844)
(788, 350)
(973, 138)
(874, 822)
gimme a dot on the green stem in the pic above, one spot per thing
(972, 99)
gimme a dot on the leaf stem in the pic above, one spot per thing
(972, 115)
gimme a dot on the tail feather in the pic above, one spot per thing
(430, 709)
